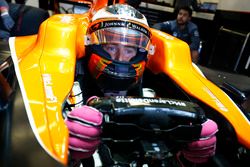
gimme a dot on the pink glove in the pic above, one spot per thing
(84, 129)
(201, 150)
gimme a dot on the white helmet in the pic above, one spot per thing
(119, 23)
(123, 25)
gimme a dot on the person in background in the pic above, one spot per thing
(114, 64)
(6, 21)
(184, 29)
(16, 18)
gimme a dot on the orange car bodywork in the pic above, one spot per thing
(45, 68)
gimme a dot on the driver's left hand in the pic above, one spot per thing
(201, 150)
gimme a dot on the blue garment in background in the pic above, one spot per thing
(189, 34)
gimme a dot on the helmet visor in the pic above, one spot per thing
(121, 35)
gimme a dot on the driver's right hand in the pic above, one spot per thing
(84, 124)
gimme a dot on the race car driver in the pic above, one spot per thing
(117, 47)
